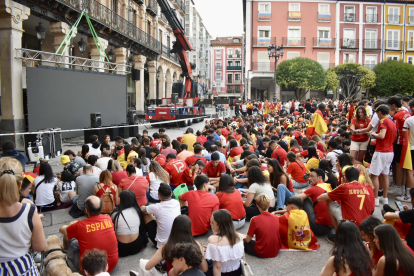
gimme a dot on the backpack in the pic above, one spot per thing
(108, 201)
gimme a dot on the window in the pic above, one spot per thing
(292, 55)
(294, 7)
(323, 59)
(236, 40)
(294, 12)
(160, 37)
(371, 39)
(393, 39)
(264, 7)
(411, 16)
(294, 38)
(349, 40)
(394, 15)
(392, 57)
(349, 14)
(370, 61)
(168, 40)
(349, 58)
(114, 6)
(371, 15)
(218, 54)
(238, 63)
(218, 65)
(410, 42)
(323, 13)
(323, 33)
(218, 76)
(264, 33)
(237, 52)
(324, 38)
(230, 78)
(264, 12)
(229, 52)
(237, 77)
(410, 59)
(294, 32)
(229, 63)
(323, 8)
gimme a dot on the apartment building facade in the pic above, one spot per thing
(329, 32)
(227, 56)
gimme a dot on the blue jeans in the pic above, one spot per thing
(239, 185)
(299, 185)
(151, 199)
(283, 194)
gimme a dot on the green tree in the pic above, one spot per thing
(351, 77)
(394, 77)
(331, 80)
(301, 75)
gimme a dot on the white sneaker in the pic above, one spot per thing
(377, 202)
(397, 190)
(404, 198)
(383, 200)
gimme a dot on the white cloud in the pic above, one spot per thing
(221, 17)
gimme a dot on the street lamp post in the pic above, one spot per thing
(276, 53)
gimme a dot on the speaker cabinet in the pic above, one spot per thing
(112, 132)
(99, 132)
(174, 98)
(96, 120)
(132, 117)
(46, 142)
(124, 131)
(133, 131)
(136, 74)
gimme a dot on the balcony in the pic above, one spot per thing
(294, 41)
(264, 16)
(324, 17)
(263, 66)
(349, 17)
(393, 19)
(233, 91)
(166, 52)
(326, 66)
(105, 20)
(152, 7)
(263, 41)
(393, 45)
(234, 56)
(233, 68)
(370, 66)
(163, 19)
(371, 44)
(231, 81)
(319, 42)
(180, 4)
(218, 67)
(410, 20)
(371, 18)
(294, 15)
(349, 43)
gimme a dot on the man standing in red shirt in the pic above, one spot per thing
(214, 169)
(175, 168)
(354, 198)
(97, 231)
(318, 213)
(399, 117)
(156, 142)
(384, 153)
(201, 204)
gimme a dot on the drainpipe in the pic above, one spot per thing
(404, 30)
(251, 44)
(383, 33)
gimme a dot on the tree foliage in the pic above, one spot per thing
(394, 77)
(352, 76)
(331, 80)
(301, 74)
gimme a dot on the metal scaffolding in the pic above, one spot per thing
(72, 61)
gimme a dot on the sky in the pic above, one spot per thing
(221, 17)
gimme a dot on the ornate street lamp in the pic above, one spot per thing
(82, 46)
(40, 31)
(111, 55)
(276, 53)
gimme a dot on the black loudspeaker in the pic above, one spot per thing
(133, 130)
(174, 98)
(57, 143)
(99, 132)
(132, 117)
(112, 132)
(124, 131)
(179, 89)
(136, 74)
(96, 119)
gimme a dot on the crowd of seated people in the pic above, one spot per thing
(267, 174)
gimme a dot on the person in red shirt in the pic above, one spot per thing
(266, 229)
(353, 197)
(399, 117)
(190, 173)
(297, 171)
(138, 184)
(214, 169)
(359, 142)
(156, 142)
(235, 150)
(201, 204)
(156, 156)
(384, 153)
(175, 168)
(351, 110)
(97, 231)
(318, 213)
(278, 153)
(197, 155)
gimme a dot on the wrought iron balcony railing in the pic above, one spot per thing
(237, 67)
(105, 16)
(393, 45)
(324, 42)
(372, 44)
(324, 16)
(264, 41)
(349, 43)
(393, 19)
(152, 7)
(371, 18)
(294, 41)
(263, 66)
(349, 17)
(166, 52)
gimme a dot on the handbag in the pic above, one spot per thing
(245, 268)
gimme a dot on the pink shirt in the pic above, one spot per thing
(184, 154)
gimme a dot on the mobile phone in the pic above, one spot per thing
(399, 205)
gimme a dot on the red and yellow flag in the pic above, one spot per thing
(405, 161)
(317, 126)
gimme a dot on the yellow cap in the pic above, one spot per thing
(64, 159)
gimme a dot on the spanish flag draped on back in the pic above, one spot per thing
(317, 126)
(405, 161)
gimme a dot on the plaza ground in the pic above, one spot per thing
(286, 263)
